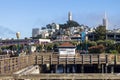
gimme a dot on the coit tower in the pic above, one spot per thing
(69, 16)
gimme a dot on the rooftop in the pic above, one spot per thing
(66, 44)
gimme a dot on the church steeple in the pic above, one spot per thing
(105, 21)
(69, 16)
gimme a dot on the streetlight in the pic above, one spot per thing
(18, 36)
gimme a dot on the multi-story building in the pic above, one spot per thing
(110, 35)
(44, 33)
(113, 35)
(35, 32)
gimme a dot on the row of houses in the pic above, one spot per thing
(110, 35)
(23, 41)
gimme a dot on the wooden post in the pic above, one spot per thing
(56, 68)
(48, 67)
(90, 59)
(115, 59)
(106, 57)
(98, 59)
(11, 65)
(74, 60)
(82, 59)
(42, 59)
(64, 68)
(112, 69)
(36, 58)
(82, 68)
(99, 68)
(106, 70)
(50, 59)
(102, 68)
(2, 66)
(58, 58)
(40, 68)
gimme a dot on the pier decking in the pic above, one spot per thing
(10, 65)
(71, 77)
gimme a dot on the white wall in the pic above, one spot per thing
(44, 40)
(66, 51)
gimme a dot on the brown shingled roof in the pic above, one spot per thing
(66, 44)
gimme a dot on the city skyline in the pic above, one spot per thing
(22, 16)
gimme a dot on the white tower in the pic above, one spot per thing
(105, 21)
(69, 16)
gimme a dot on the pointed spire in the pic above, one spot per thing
(105, 16)
(105, 21)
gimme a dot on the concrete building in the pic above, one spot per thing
(55, 26)
(35, 32)
(110, 35)
(76, 37)
(49, 30)
(44, 34)
(113, 36)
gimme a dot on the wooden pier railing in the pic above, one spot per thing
(10, 65)
(78, 59)
(4, 56)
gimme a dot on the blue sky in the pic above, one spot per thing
(23, 15)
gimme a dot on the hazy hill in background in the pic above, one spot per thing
(6, 32)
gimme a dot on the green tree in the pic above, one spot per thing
(114, 51)
(100, 33)
(49, 46)
(92, 43)
(100, 42)
(110, 45)
(117, 47)
(109, 42)
(39, 47)
(55, 47)
(69, 24)
(72, 23)
(75, 43)
(97, 49)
